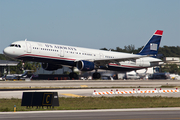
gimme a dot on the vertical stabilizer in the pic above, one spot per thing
(152, 46)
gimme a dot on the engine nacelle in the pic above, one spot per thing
(85, 65)
(50, 67)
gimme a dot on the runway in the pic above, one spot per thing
(106, 114)
(78, 88)
(85, 89)
(87, 83)
(84, 93)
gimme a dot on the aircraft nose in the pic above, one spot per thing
(6, 51)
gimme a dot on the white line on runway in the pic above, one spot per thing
(100, 110)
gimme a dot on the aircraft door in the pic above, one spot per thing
(101, 55)
(61, 52)
(141, 62)
(28, 46)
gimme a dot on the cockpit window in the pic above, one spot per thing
(12, 45)
(15, 45)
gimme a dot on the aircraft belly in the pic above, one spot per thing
(53, 60)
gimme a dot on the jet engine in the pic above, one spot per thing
(51, 67)
(85, 65)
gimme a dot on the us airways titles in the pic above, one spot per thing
(60, 47)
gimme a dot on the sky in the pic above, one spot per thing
(89, 23)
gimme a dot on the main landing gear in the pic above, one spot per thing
(73, 75)
(96, 75)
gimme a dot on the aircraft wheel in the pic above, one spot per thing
(96, 76)
(73, 75)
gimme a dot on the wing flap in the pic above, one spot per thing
(116, 60)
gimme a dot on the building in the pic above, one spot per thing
(172, 60)
(5, 66)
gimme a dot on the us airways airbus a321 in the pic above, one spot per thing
(54, 56)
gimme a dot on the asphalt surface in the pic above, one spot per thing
(78, 88)
(107, 114)
(14, 89)
(87, 93)
(87, 83)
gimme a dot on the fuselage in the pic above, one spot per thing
(69, 55)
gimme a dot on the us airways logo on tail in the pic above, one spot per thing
(152, 46)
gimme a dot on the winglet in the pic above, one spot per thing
(158, 32)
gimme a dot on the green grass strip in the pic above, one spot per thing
(84, 103)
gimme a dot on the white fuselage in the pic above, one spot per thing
(69, 55)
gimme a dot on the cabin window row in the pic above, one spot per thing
(109, 57)
(36, 48)
(80, 53)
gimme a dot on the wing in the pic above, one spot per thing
(116, 60)
(106, 61)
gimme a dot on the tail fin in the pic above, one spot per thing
(151, 48)
(25, 72)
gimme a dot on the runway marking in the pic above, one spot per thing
(72, 95)
(84, 86)
(98, 110)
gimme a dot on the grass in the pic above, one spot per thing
(96, 103)
(169, 86)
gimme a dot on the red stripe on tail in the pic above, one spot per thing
(158, 32)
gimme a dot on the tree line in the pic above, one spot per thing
(166, 51)
(34, 66)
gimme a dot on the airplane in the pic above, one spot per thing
(54, 56)
(15, 76)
